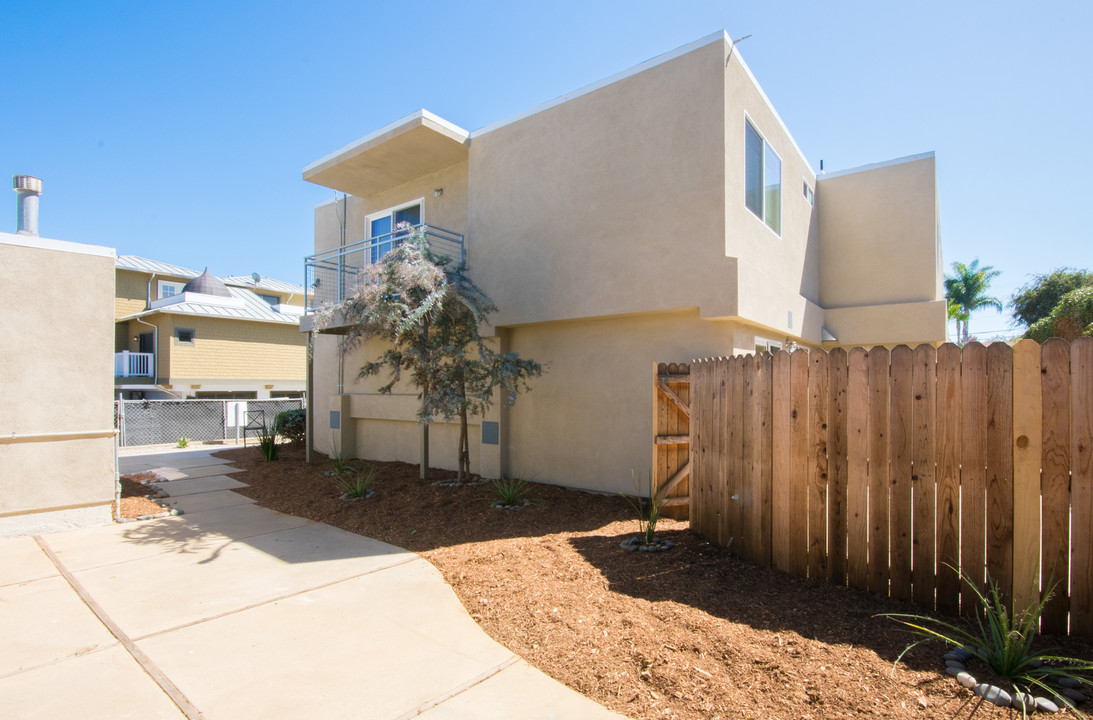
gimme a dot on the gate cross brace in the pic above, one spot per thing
(671, 395)
(662, 492)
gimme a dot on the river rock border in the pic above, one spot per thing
(1024, 702)
(636, 543)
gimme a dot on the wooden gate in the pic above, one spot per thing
(672, 441)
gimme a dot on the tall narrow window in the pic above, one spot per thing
(762, 179)
(383, 228)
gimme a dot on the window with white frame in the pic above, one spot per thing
(763, 345)
(271, 300)
(386, 228)
(168, 288)
(810, 195)
(762, 178)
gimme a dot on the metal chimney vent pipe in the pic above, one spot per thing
(27, 189)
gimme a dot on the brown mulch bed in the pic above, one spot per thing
(137, 492)
(691, 633)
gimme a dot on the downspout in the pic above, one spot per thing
(148, 298)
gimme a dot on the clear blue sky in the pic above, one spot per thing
(178, 131)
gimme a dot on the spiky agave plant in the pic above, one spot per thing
(358, 484)
(1002, 639)
(647, 510)
(510, 491)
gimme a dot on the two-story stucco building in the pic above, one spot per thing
(662, 214)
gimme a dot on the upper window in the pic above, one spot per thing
(385, 228)
(185, 336)
(810, 195)
(762, 179)
(169, 289)
(271, 300)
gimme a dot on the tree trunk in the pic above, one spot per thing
(464, 444)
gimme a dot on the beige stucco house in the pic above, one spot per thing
(180, 333)
(57, 466)
(663, 214)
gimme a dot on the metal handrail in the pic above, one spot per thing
(336, 266)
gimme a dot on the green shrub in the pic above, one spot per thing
(183, 442)
(647, 510)
(291, 424)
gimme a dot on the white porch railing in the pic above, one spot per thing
(133, 364)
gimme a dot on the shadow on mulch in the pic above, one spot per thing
(706, 577)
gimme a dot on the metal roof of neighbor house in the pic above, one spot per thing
(140, 264)
(279, 286)
(254, 308)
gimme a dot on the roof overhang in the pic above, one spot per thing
(416, 145)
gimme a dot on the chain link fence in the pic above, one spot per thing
(155, 422)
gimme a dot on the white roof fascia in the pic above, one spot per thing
(35, 241)
(877, 165)
(770, 106)
(653, 62)
(423, 115)
(721, 35)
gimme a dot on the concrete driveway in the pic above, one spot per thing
(235, 611)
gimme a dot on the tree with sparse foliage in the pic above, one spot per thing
(967, 289)
(428, 312)
(1036, 300)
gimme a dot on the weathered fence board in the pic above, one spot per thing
(948, 423)
(1055, 481)
(899, 510)
(857, 468)
(781, 420)
(878, 470)
(798, 454)
(973, 472)
(900, 471)
(1081, 479)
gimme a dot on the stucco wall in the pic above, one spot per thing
(611, 202)
(57, 357)
(879, 243)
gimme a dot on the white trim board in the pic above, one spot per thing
(876, 165)
(34, 241)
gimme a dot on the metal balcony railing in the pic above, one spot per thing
(333, 275)
(133, 364)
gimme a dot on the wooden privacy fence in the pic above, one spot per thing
(884, 470)
(672, 439)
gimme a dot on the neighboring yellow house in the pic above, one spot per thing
(179, 333)
(663, 214)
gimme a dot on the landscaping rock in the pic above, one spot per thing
(1074, 695)
(955, 671)
(635, 543)
(1069, 682)
(1023, 702)
(993, 694)
(1046, 706)
(966, 680)
(954, 664)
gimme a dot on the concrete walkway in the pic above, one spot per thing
(235, 611)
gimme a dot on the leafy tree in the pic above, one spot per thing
(967, 289)
(1071, 318)
(1036, 300)
(427, 311)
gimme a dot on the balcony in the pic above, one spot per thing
(133, 364)
(332, 276)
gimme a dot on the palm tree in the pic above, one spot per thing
(966, 289)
